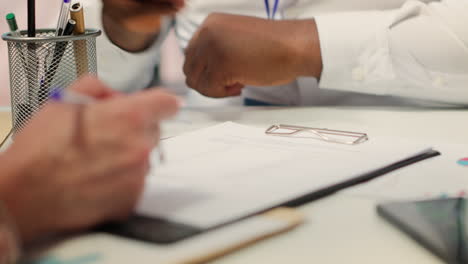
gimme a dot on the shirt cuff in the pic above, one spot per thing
(355, 50)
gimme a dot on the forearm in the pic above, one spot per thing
(16, 169)
(304, 35)
(9, 239)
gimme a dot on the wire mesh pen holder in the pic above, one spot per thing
(45, 63)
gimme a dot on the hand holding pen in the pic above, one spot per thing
(129, 116)
(96, 150)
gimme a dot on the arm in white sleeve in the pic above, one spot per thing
(417, 51)
(122, 70)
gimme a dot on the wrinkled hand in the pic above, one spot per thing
(77, 165)
(231, 51)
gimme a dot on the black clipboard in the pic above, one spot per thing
(162, 231)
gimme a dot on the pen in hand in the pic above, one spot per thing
(68, 96)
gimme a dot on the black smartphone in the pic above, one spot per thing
(438, 225)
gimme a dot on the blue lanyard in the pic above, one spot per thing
(271, 15)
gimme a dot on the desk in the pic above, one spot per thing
(5, 123)
(343, 228)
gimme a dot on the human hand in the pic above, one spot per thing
(133, 24)
(74, 166)
(140, 16)
(231, 51)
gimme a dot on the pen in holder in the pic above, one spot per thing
(40, 64)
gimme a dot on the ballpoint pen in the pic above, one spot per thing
(25, 108)
(59, 50)
(14, 31)
(68, 96)
(63, 17)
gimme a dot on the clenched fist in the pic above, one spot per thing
(231, 51)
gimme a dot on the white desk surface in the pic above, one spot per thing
(342, 228)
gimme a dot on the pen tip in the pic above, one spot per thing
(55, 95)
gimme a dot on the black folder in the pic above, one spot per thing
(162, 231)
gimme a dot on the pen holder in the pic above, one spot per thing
(43, 64)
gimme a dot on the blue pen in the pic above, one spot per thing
(68, 96)
(63, 17)
(271, 13)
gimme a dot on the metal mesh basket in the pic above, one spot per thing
(44, 64)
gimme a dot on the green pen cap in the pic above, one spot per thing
(12, 22)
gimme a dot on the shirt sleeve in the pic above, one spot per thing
(417, 51)
(122, 70)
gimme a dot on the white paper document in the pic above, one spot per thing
(222, 173)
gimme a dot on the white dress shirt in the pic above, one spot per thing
(123, 71)
(413, 49)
